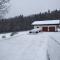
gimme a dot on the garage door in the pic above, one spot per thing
(51, 29)
(45, 29)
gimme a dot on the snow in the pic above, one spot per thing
(58, 29)
(46, 22)
(7, 35)
(54, 46)
(25, 46)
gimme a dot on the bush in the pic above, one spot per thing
(13, 33)
(3, 36)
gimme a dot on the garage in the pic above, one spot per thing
(47, 25)
(51, 29)
(45, 29)
(48, 29)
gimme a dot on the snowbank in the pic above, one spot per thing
(6, 35)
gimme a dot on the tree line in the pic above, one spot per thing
(22, 23)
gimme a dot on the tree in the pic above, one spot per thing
(3, 8)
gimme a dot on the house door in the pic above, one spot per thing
(45, 29)
(51, 29)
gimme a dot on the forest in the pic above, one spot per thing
(23, 23)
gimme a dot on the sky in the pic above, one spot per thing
(29, 7)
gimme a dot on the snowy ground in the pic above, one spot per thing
(54, 46)
(25, 46)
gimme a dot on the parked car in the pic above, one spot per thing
(35, 30)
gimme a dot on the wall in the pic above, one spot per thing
(40, 26)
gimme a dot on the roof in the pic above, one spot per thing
(45, 22)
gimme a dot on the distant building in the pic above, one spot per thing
(47, 25)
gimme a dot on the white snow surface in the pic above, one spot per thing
(46, 22)
(54, 46)
(7, 35)
(25, 46)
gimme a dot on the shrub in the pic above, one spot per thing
(13, 33)
(3, 36)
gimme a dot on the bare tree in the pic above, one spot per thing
(3, 8)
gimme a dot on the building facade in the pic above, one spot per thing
(47, 25)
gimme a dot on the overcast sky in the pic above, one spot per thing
(29, 7)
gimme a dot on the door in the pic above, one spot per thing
(51, 29)
(45, 29)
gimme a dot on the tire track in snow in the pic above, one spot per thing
(54, 40)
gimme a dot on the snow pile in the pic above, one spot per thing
(6, 35)
(58, 29)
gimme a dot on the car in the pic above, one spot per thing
(34, 31)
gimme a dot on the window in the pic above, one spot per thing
(37, 27)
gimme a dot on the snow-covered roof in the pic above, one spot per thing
(46, 22)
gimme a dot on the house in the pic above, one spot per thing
(47, 25)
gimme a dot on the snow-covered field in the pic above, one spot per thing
(25, 46)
